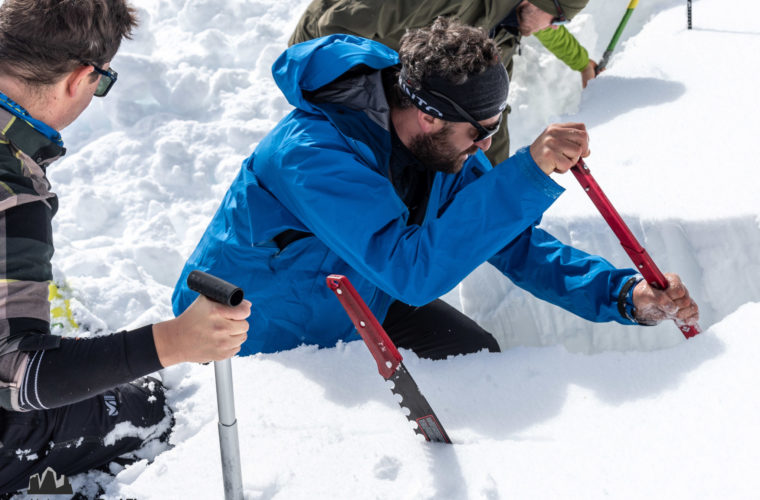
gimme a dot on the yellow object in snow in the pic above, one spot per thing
(60, 308)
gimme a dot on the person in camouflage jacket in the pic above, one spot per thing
(60, 397)
(507, 21)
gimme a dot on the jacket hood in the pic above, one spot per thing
(308, 66)
(570, 7)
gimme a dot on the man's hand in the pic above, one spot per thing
(589, 72)
(560, 146)
(531, 19)
(206, 331)
(653, 305)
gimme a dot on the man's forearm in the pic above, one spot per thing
(584, 284)
(81, 368)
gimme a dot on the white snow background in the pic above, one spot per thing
(570, 409)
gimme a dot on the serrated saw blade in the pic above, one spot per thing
(420, 411)
(388, 360)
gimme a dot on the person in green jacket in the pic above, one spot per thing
(507, 21)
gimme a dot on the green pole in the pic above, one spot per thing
(607, 53)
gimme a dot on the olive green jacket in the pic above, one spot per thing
(386, 21)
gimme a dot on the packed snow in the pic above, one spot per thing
(570, 409)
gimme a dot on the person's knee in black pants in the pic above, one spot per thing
(436, 330)
(83, 436)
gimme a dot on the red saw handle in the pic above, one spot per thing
(380, 345)
(632, 247)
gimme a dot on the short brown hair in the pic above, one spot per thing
(448, 49)
(42, 40)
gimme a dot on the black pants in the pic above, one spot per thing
(70, 439)
(436, 330)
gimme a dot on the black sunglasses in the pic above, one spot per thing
(107, 79)
(560, 19)
(483, 132)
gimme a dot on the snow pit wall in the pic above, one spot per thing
(716, 259)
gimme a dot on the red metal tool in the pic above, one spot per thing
(388, 360)
(632, 247)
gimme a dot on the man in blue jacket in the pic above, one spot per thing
(379, 174)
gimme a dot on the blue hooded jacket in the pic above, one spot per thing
(324, 170)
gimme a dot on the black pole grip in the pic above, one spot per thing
(214, 288)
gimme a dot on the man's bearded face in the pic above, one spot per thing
(437, 150)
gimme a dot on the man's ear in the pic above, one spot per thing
(78, 79)
(428, 124)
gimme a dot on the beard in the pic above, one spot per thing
(436, 153)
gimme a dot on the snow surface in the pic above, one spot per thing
(569, 409)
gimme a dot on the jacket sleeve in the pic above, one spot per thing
(385, 21)
(584, 284)
(27, 247)
(565, 46)
(355, 211)
(80, 368)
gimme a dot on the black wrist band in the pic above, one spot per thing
(621, 300)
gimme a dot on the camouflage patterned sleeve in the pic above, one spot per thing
(39, 370)
(26, 247)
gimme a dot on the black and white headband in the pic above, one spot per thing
(482, 95)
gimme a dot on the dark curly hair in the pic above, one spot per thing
(41, 40)
(447, 49)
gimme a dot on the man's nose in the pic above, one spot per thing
(484, 144)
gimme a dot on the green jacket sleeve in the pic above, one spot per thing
(565, 46)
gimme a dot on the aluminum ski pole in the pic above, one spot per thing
(688, 13)
(611, 47)
(226, 293)
(632, 247)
